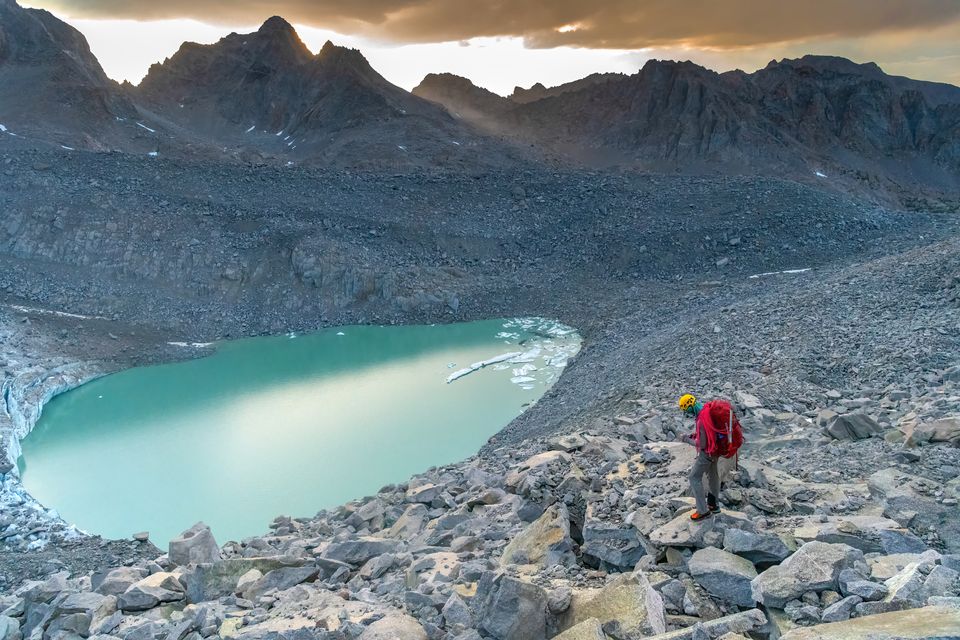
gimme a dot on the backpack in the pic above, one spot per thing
(723, 432)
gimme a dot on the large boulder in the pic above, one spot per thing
(917, 582)
(589, 629)
(543, 543)
(280, 580)
(151, 591)
(724, 575)
(115, 581)
(724, 628)
(511, 609)
(758, 548)
(853, 426)
(9, 628)
(357, 551)
(684, 532)
(610, 544)
(942, 430)
(909, 500)
(212, 581)
(196, 545)
(394, 627)
(815, 566)
(628, 603)
(870, 534)
(913, 624)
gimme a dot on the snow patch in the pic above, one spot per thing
(252, 127)
(455, 142)
(143, 126)
(153, 154)
(51, 312)
(820, 174)
(63, 146)
(774, 273)
(279, 133)
(192, 345)
(401, 147)
(3, 129)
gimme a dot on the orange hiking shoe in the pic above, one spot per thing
(697, 516)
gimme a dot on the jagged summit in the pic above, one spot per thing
(276, 24)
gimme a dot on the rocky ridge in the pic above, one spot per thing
(814, 117)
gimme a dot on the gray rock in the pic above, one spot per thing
(853, 426)
(151, 591)
(724, 575)
(357, 551)
(610, 545)
(9, 628)
(196, 545)
(456, 611)
(813, 567)
(211, 581)
(118, 580)
(510, 609)
(281, 579)
(841, 610)
(755, 547)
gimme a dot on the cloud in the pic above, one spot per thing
(608, 24)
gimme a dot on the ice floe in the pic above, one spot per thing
(548, 345)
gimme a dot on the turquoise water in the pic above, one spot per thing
(282, 425)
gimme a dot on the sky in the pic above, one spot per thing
(500, 44)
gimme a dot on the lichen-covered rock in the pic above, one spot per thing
(629, 603)
(913, 624)
(543, 543)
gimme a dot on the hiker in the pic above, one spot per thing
(717, 433)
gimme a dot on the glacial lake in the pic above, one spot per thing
(283, 425)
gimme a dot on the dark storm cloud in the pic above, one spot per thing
(627, 24)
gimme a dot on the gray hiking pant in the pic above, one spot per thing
(704, 464)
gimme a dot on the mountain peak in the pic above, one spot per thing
(276, 24)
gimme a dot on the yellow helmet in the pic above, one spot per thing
(686, 401)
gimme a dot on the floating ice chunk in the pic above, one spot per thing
(522, 379)
(3, 129)
(63, 146)
(252, 127)
(455, 142)
(476, 366)
(820, 174)
(153, 154)
(279, 133)
(401, 147)
(341, 333)
(140, 124)
(524, 370)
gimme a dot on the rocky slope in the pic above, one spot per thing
(807, 118)
(573, 520)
